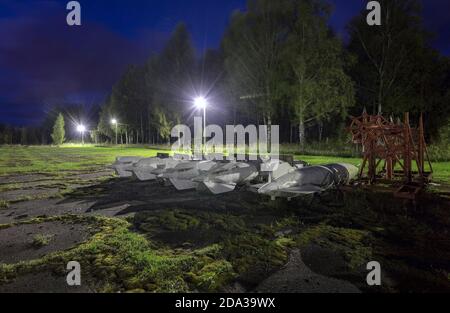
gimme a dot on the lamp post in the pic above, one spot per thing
(81, 129)
(115, 123)
(201, 103)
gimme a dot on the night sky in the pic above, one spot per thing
(44, 62)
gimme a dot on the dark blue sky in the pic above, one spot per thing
(44, 62)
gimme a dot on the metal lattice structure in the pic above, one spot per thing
(390, 149)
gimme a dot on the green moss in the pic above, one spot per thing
(354, 244)
(212, 251)
(285, 243)
(287, 222)
(213, 276)
(118, 259)
(175, 220)
(170, 219)
(249, 251)
(4, 204)
(184, 220)
(40, 240)
(251, 248)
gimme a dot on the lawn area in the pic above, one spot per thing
(46, 159)
(441, 169)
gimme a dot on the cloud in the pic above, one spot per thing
(43, 60)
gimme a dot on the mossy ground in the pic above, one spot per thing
(408, 239)
(235, 245)
(354, 244)
(208, 245)
(183, 249)
(117, 259)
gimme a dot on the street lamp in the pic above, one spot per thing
(81, 129)
(201, 103)
(115, 123)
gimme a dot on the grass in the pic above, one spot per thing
(46, 159)
(51, 160)
(441, 169)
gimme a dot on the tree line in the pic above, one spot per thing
(281, 63)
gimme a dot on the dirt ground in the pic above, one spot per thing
(20, 243)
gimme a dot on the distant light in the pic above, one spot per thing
(201, 102)
(114, 121)
(81, 128)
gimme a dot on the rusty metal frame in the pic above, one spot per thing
(395, 144)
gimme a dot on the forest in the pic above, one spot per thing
(279, 63)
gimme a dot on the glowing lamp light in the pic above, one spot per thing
(201, 103)
(81, 128)
(114, 121)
